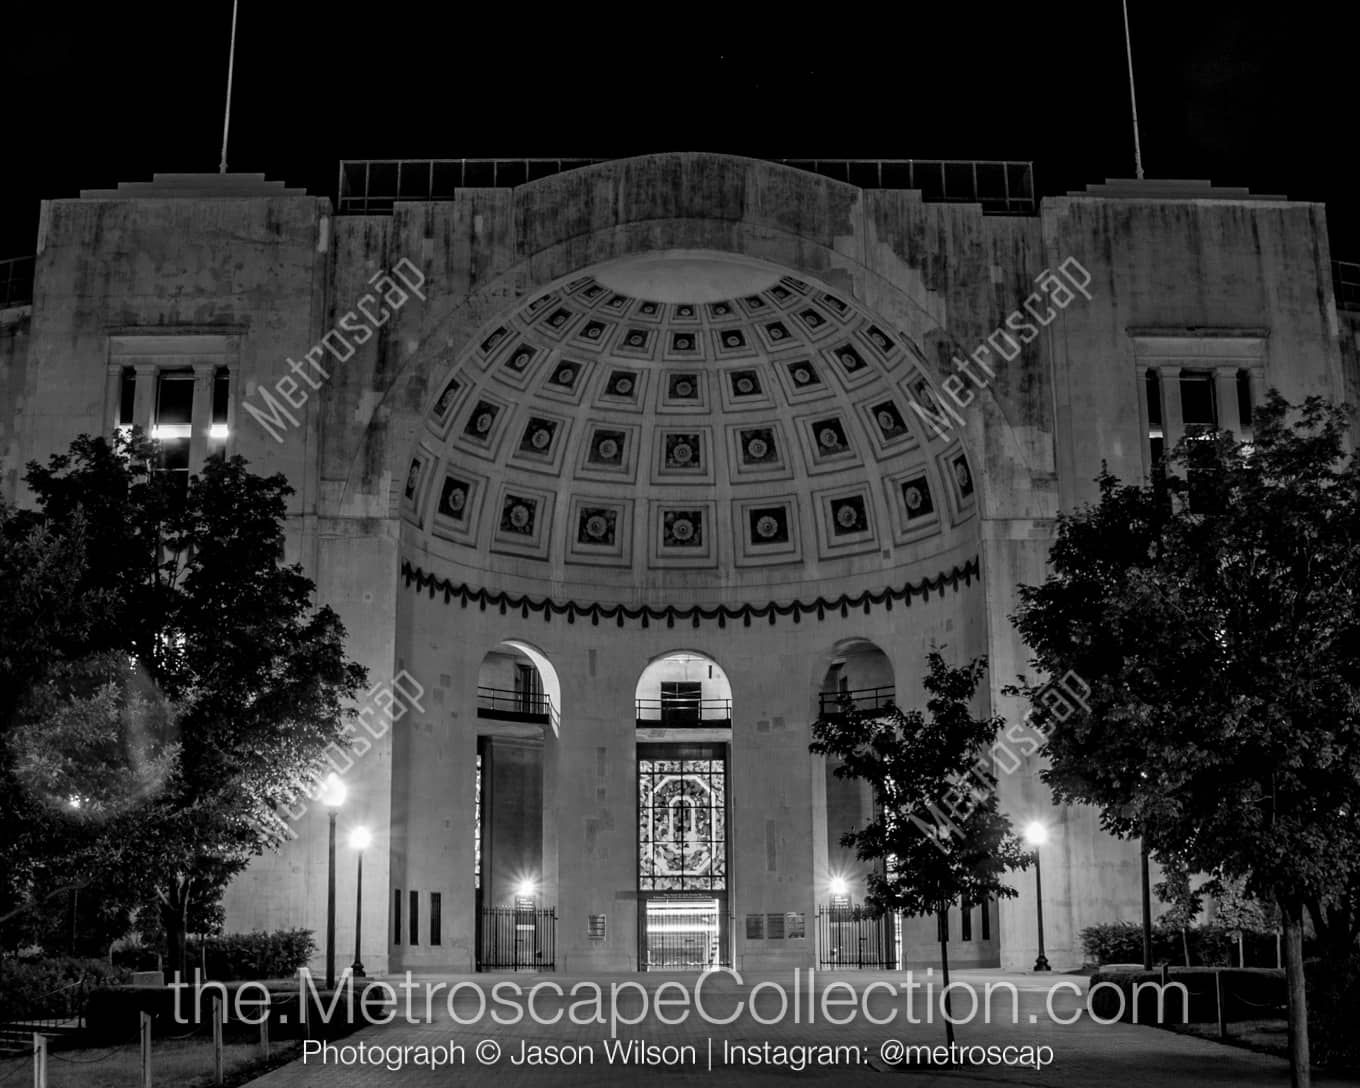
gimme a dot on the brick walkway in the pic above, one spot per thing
(1084, 1053)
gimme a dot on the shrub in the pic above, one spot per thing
(1210, 946)
(53, 986)
(239, 956)
(1252, 993)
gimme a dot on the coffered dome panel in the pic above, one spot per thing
(668, 447)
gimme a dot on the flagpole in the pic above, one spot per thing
(1133, 98)
(231, 65)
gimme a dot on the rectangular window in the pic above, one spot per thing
(1198, 408)
(1156, 430)
(414, 926)
(682, 817)
(680, 701)
(172, 427)
(127, 397)
(221, 402)
(436, 917)
(396, 916)
(1244, 397)
(965, 921)
(986, 920)
(528, 690)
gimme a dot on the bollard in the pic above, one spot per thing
(1222, 1013)
(217, 1037)
(146, 1049)
(39, 1060)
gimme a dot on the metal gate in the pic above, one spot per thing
(516, 939)
(852, 938)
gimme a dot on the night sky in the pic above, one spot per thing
(1260, 97)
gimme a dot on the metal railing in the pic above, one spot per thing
(681, 711)
(1346, 283)
(374, 186)
(519, 706)
(515, 939)
(852, 938)
(16, 281)
(832, 703)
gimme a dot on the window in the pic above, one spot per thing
(127, 397)
(1199, 412)
(528, 690)
(396, 916)
(1156, 429)
(436, 917)
(680, 701)
(221, 403)
(986, 919)
(682, 816)
(172, 426)
(965, 921)
(414, 927)
(1244, 398)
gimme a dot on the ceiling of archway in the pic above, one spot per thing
(596, 438)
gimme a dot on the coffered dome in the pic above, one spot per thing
(686, 430)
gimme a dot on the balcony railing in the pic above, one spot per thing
(373, 186)
(16, 281)
(681, 712)
(505, 705)
(835, 703)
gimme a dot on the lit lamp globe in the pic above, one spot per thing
(1036, 833)
(360, 838)
(333, 792)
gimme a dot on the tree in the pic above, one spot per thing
(936, 834)
(1213, 613)
(1184, 901)
(152, 727)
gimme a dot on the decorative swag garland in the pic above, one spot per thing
(433, 584)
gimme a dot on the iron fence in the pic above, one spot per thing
(684, 710)
(852, 938)
(516, 939)
(833, 703)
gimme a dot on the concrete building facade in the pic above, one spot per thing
(621, 476)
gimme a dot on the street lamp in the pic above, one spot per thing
(332, 796)
(359, 839)
(1036, 834)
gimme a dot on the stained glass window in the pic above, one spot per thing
(682, 833)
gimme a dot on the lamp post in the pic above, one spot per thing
(332, 796)
(1036, 834)
(359, 839)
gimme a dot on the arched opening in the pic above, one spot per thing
(858, 678)
(683, 689)
(518, 695)
(683, 704)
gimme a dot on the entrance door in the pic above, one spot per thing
(683, 933)
(682, 856)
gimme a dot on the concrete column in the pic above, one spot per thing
(1144, 445)
(144, 400)
(1225, 383)
(113, 397)
(201, 415)
(1173, 422)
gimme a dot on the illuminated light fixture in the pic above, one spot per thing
(163, 431)
(218, 430)
(526, 888)
(1036, 834)
(333, 792)
(839, 886)
(360, 838)
(73, 801)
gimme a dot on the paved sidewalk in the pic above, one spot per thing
(1081, 1054)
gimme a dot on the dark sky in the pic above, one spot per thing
(1242, 95)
